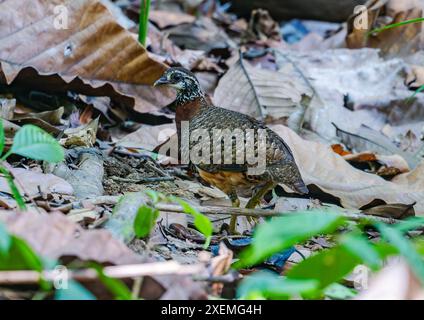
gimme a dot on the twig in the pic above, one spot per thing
(142, 180)
(240, 211)
(262, 212)
(117, 272)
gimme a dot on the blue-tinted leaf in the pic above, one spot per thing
(409, 224)
(271, 286)
(75, 291)
(5, 240)
(34, 143)
(336, 291)
(281, 233)
(145, 220)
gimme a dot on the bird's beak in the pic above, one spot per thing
(161, 81)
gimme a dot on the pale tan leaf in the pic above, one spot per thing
(260, 93)
(164, 19)
(54, 235)
(31, 183)
(320, 166)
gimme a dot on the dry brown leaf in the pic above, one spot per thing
(164, 19)
(338, 148)
(392, 161)
(262, 27)
(401, 40)
(94, 55)
(202, 34)
(320, 166)
(148, 137)
(395, 211)
(54, 236)
(262, 94)
(31, 183)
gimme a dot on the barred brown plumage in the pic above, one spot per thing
(232, 178)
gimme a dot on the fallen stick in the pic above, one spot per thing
(117, 272)
(167, 207)
(264, 213)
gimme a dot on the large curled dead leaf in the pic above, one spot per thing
(262, 94)
(320, 166)
(93, 55)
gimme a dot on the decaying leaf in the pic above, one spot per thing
(263, 94)
(94, 55)
(202, 34)
(371, 140)
(31, 183)
(320, 166)
(54, 236)
(401, 40)
(356, 87)
(83, 136)
(262, 27)
(395, 211)
(164, 19)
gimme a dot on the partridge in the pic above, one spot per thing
(235, 178)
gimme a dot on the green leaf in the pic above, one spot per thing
(271, 286)
(358, 245)
(145, 221)
(74, 291)
(201, 222)
(420, 89)
(20, 257)
(396, 25)
(336, 291)
(115, 286)
(408, 224)
(281, 233)
(5, 240)
(156, 196)
(2, 137)
(327, 266)
(13, 188)
(405, 247)
(143, 21)
(34, 143)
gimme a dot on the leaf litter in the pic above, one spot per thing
(343, 102)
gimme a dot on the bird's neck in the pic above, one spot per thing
(189, 95)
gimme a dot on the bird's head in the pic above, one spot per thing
(184, 81)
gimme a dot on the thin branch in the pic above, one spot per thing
(117, 272)
(167, 207)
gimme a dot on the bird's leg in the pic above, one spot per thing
(256, 199)
(235, 203)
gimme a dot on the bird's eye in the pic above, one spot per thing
(177, 77)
